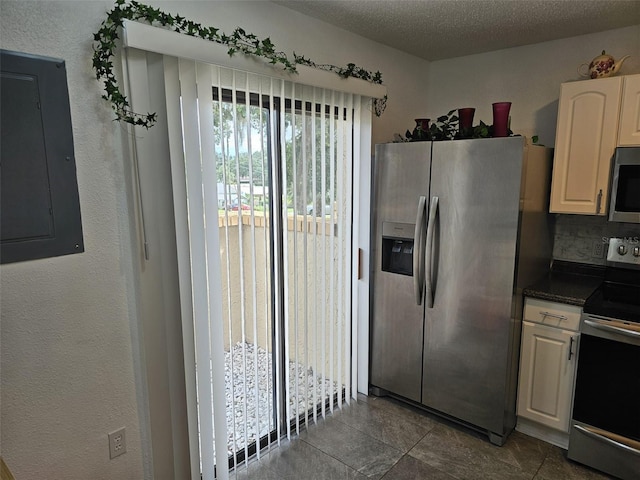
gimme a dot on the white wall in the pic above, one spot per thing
(69, 323)
(528, 76)
(75, 331)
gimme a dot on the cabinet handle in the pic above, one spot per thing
(553, 315)
(570, 348)
(599, 201)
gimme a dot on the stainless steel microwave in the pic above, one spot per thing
(624, 203)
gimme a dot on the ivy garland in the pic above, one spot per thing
(239, 41)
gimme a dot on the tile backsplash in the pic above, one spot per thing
(577, 237)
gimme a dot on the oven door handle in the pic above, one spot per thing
(609, 328)
(595, 434)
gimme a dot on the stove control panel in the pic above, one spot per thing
(624, 250)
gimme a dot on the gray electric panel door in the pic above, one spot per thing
(401, 177)
(39, 200)
(467, 332)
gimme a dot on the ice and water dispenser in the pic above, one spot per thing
(397, 248)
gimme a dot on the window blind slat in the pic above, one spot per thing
(335, 284)
(213, 261)
(198, 263)
(254, 268)
(312, 236)
(323, 270)
(279, 225)
(356, 108)
(348, 186)
(287, 263)
(178, 181)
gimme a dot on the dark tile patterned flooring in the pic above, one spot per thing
(380, 438)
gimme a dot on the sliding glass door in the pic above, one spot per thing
(243, 166)
(283, 166)
(262, 183)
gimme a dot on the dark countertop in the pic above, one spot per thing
(567, 282)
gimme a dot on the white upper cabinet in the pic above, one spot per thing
(629, 130)
(586, 137)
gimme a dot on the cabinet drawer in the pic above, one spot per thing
(552, 314)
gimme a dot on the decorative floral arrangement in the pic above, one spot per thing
(239, 41)
(446, 127)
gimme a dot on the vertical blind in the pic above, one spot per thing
(262, 172)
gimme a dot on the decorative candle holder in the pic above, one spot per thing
(501, 119)
(421, 131)
(465, 122)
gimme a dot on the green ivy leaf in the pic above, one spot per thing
(239, 41)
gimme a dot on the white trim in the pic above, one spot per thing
(167, 42)
(542, 432)
(355, 253)
(363, 230)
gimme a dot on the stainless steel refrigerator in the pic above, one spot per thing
(458, 229)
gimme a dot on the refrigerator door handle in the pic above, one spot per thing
(428, 263)
(418, 251)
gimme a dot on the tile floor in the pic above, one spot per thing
(379, 438)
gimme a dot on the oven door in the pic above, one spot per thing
(605, 426)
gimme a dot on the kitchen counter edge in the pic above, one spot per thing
(568, 283)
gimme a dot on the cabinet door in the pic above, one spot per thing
(547, 370)
(629, 131)
(585, 142)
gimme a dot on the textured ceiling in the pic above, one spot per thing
(437, 29)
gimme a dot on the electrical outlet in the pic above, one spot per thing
(598, 249)
(117, 443)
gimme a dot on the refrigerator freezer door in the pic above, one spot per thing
(467, 331)
(401, 176)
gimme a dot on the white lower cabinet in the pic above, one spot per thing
(547, 369)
